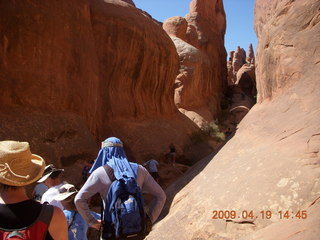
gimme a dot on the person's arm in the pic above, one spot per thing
(93, 185)
(150, 186)
(97, 216)
(58, 227)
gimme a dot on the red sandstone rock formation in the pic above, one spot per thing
(250, 57)
(129, 1)
(176, 26)
(236, 60)
(104, 61)
(242, 82)
(239, 58)
(272, 162)
(199, 39)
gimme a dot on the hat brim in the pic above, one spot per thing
(63, 196)
(45, 177)
(28, 174)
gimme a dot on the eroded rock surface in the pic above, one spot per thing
(104, 61)
(199, 39)
(272, 162)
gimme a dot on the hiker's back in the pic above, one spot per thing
(123, 215)
(112, 154)
(38, 229)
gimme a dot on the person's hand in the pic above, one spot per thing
(97, 225)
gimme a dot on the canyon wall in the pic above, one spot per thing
(104, 63)
(272, 162)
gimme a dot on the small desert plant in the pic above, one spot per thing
(208, 131)
(213, 131)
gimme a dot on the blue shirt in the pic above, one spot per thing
(39, 190)
(152, 165)
(79, 227)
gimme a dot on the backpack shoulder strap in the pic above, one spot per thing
(72, 220)
(110, 172)
(46, 213)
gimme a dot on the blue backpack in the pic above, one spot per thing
(123, 216)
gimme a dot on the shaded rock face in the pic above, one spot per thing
(87, 58)
(60, 138)
(272, 162)
(199, 39)
(43, 62)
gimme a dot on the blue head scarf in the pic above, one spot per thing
(112, 153)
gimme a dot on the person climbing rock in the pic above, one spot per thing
(152, 166)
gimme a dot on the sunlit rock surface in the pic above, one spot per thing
(272, 162)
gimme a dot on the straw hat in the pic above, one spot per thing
(18, 166)
(65, 191)
(49, 169)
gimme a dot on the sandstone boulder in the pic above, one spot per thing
(199, 41)
(192, 93)
(176, 26)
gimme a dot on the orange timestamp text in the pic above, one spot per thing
(265, 214)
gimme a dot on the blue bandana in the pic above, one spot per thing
(112, 153)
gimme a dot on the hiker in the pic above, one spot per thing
(38, 191)
(21, 216)
(172, 153)
(77, 226)
(86, 169)
(51, 178)
(153, 169)
(112, 163)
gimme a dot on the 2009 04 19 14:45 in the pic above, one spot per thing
(265, 214)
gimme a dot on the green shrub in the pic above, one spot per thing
(208, 131)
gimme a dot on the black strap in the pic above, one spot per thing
(46, 213)
(73, 217)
